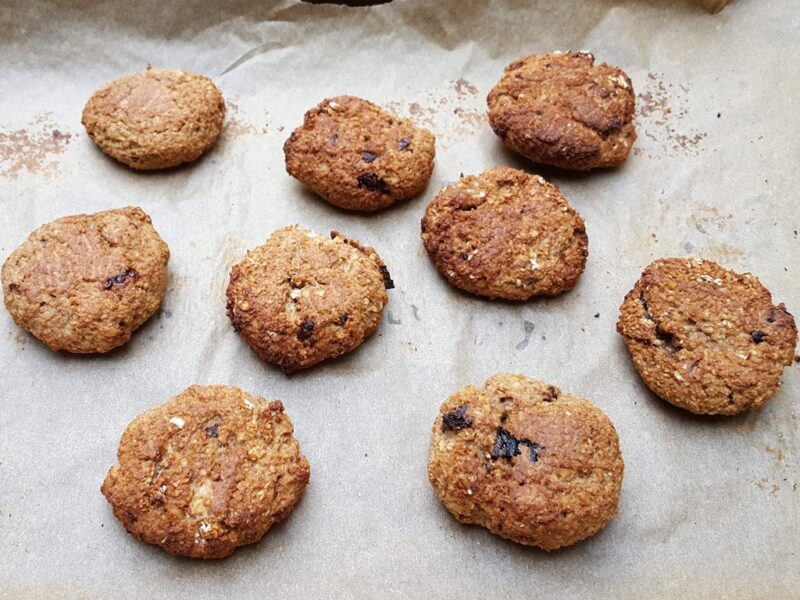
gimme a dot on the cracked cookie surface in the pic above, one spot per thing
(301, 298)
(358, 156)
(85, 283)
(157, 119)
(561, 109)
(212, 469)
(526, 461)
(705, 338)
(505, 234)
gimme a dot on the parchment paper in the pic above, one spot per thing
(709, 507)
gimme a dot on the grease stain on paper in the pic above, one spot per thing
(33, 148)
(236, 126)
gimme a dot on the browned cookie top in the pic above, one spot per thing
(705, 338)
(526, 461)
(156, 119)
(301, 298)
(563, 110)
(358, 156)
(505, 234)
(84, 283)
(212, 469)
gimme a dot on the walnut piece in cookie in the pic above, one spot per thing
(85, 283)
(505, 234)
(561, 109)
(705, 338)
(526, 461)
(209, 471)
(301, 298)
(358, 156)
(157, 119)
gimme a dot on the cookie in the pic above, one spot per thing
(157, 119)
(85, 283)
(526, 461)
(358, 156)
(211, 470)
(705, 338)
(563, 110)
(505, 234)
(301, 298)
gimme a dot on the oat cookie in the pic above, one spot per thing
(212, 469)
(301, 297)
(157, 119)
(85, 283)
(526, 461)
(705, 338)
(358, 156)
(505, 234)
(563, 110)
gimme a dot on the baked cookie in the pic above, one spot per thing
(157, 119)
(301, 297)
(212, 469)
(527, 462)
(358, 156)
(563, 110)
(85, 283)
(705, 338)
(505, 234)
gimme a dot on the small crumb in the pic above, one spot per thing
(596, 315)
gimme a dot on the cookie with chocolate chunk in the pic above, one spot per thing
(505, 234)
(301, 298)
(85, 283)
(211, 470)
(561, 109)
(526, 461)
(358, 156)
(705, 338)
(157, 119)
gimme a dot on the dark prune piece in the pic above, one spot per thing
(464, 256)
(533, 447)
(758, 336)
(120, 279)
(343, 319)
(457, 419)
(14, 287)
(387, 279)
(212, 430)
(368, 156)
(505, 445)
(334, 139)
(404, 143)
(372, 183)
(306, 330)
(552, 394)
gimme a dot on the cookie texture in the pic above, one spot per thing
(212, 469)
(157, 119)
(85, 283)
(301, 298)
(705, 338)
(505, 234)
(526, 461)
(358, 156)
(561, 109)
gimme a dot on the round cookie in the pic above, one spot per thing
(157, 119)
(527, 462)
(85, 283)
(212, 469)
(505, 234)
(301, 298)
(358, 156)
(704, 338)
(563, 110)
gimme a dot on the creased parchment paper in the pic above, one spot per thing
(710, 507)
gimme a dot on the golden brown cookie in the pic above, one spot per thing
(157, 119)
(563, 110)
(212, 469)
(505, 234)
(705, 338)
(358, 156)
(85, 283)
(301, 297)
(526, 461)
